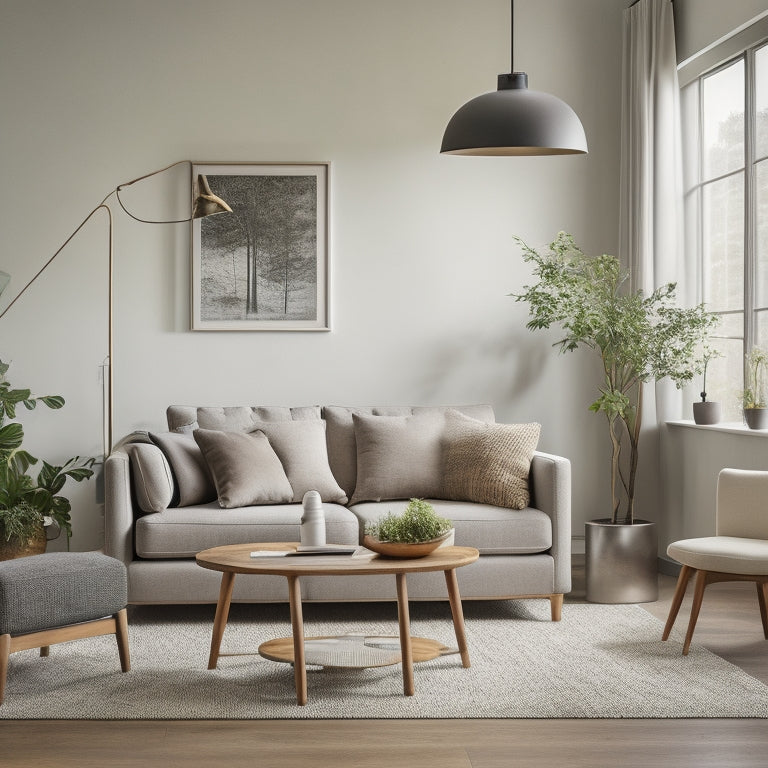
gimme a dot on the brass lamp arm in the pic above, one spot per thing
(146, 176)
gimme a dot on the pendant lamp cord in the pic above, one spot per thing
(511, 35)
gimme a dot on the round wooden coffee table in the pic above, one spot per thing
(234, 559)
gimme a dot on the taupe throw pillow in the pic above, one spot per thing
(245, 468)
(302, 450)
(488, 463)
(193, 480)
(399, 457)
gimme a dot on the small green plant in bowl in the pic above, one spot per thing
(416, 532)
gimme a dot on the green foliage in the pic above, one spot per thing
(20, 522)
(753, 396)
(418, 522)
(639, 339)
(19, 490)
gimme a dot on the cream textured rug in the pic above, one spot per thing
(598, 662)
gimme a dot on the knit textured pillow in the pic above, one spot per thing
(488, 463)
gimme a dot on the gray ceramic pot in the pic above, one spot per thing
(621, 562)
(756, 418)
(706, 412)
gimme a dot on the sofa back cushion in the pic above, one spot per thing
(340, 433)
(187, 418)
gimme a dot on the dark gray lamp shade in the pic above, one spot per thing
(514, 121)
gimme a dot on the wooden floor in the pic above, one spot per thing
(729, 625)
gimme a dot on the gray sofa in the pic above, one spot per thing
(170, 495)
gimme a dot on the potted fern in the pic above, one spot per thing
(416, 532)
(28, 502)
(639, 339)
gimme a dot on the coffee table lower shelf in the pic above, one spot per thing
(353, 651)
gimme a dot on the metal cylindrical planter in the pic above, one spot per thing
(621, 562)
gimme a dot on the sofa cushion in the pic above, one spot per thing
(152, 477)
(185, 531)
(488, 463)
(340, 433)
(301, 447)
(187, 418)
(399, 457)
(244, 467)
(492, 530)
(194, 483)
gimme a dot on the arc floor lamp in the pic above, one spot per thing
(204, 203)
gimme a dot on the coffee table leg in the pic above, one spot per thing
(297, 626)
(404, 621)
(458, 615)
(222, 613)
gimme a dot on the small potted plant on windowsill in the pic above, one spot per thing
(706, 411)
(753, 395)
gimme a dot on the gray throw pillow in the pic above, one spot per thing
(193, 479)
(399, 457)
(303, 452)
(152, 477)
(245, 468)
(488, 463)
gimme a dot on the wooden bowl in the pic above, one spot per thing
(403, 549)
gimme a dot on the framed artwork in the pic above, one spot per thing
(263, 267)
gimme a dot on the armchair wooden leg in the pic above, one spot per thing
(762, 598)
(556, 606)
(5, 652)
(682, 584)
(45, 650)
(121, 630)
(698, 596)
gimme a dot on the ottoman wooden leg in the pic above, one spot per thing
(5, 652)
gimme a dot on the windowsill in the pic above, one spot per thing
(728, 427)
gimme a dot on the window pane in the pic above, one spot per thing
(762, 329)
(723, 243)
(723, 120)
(761, 101)
(731, 326)
(761, 234)
(689, 108)
(724, 377)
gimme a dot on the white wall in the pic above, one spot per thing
(97, 92)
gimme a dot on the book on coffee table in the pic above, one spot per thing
(352, 550)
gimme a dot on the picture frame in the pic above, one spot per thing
(265, 266)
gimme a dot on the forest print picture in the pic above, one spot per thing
(265, 265)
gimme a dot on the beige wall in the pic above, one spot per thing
(97, 92)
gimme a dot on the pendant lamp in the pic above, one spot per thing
(514, 120)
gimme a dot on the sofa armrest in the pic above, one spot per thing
(550, 481)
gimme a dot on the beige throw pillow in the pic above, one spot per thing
(302, 450)
(398, 457)
(488, 463)
(245, 468)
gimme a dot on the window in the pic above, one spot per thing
(725, 137)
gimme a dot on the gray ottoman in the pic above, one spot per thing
(61, 596)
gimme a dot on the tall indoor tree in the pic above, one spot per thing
(639, 338)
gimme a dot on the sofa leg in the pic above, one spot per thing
(556, 606)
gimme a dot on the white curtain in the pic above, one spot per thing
(650, 201)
